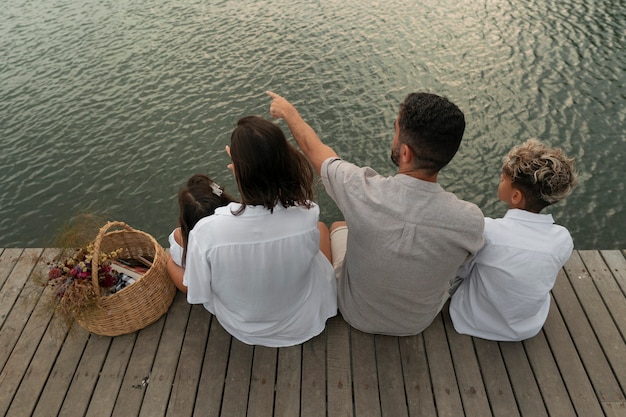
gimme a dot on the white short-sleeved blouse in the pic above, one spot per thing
(262, 274)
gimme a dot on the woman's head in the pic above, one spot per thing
(197, 199)
(268, 169)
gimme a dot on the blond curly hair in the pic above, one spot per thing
(544, 175)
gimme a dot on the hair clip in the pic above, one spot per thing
(217, 190)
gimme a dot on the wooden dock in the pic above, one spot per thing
(185, 364)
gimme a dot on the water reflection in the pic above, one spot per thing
(110, 107)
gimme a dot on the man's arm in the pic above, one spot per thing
(308, 141)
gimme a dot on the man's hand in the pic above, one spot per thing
(279, 107)
(308, 141)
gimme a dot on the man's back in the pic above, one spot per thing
(407, 238)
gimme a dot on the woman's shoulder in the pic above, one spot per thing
(311, 210)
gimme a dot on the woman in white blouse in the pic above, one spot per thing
(257, 265)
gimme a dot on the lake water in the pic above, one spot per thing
(108, 107)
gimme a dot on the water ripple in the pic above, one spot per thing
(109, 107)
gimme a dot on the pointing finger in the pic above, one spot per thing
(272, 94)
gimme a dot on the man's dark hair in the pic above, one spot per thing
(268, 169)
(432, 126)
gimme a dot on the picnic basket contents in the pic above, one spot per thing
(118, 284)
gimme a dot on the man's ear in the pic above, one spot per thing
(406, 154)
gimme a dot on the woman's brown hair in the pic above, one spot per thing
(269, 170)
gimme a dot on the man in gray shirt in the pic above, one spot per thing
(407, 235)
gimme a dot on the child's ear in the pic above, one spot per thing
(517, 198)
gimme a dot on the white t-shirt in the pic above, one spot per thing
(505, 293)
(262, 274)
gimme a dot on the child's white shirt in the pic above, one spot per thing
(505, 293)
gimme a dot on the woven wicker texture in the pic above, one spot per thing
(139, 304)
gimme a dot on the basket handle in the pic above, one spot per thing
(95, 260)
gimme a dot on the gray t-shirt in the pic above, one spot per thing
(406, 240)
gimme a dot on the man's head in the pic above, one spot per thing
(432, 128)
(541, 175)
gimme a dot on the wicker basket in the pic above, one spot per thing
(139, 304)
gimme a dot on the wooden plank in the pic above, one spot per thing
(8, 259)
(86, 376)
(313, 395)
(467, 370)
(497, 383)
(419, 392)
(25, 302)
(59, 380)
(612, 285)
(553, 390)
(111, 377)
(38, 370)
(79, 375)
(17, 318)
(445, 388)
(288, 377)
(263, 382)
(25, 348)
(390, 378)
(235, 403)
(338, 374)
(571, 368)
(605, 278)
(616, 260)
(137, 376)
(522, 380)
(213, 375)
(16, 280)
(590, 351)
(617, 264)
(164, 368)
(187, 376)
(364, 374)
(51, 342)
(614, 409)
(583, 279)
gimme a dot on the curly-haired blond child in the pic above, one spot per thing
(504, 293)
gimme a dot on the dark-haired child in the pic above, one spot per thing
(197, 199)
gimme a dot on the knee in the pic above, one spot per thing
(337, 225)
